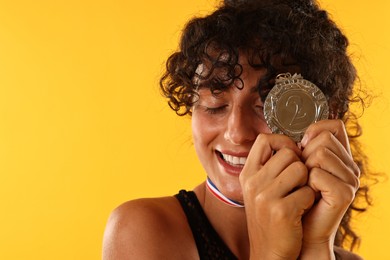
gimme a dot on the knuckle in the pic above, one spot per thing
(317, 157)
(327, 136)
(356, 170)
(280, 213)
(339, 124)
(346, 196)
(322, 153)
(243, 175)
(262, 138)
(261, 199)
(356, 183)
(242, 178)
(248, 186)
(288, 153)
(300, 168)
(349, 198)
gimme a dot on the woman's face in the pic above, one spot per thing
(224, 129)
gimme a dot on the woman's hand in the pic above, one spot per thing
(334, 176)
(276, 197)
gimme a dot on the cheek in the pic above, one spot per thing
(204, 130)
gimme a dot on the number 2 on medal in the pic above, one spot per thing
(295, 102)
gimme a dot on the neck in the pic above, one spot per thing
(229, 222)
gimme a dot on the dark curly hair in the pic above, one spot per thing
(278, 36)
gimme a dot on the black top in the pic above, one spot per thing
(209, 243)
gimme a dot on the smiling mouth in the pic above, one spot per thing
(232, 160)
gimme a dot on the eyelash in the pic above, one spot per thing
(260, 107)
(215, 110)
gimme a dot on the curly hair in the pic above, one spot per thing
(278, 36)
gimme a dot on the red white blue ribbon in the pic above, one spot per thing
(214, 190)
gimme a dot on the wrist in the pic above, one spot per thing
(322, 251)
(271, 255)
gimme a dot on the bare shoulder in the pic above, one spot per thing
(148, 229)
(346, 255)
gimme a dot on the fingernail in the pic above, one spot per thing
(304, 140)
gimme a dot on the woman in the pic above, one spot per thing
(265, 197)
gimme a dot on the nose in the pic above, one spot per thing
(242, 127)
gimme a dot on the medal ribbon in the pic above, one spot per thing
(214, 190)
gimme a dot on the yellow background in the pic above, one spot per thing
(83, 127)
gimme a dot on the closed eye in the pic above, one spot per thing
(259, 109)
(215, 110)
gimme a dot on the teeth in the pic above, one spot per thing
(233, 160)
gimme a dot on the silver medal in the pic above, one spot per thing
(293, 104)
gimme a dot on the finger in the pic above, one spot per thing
(258, 178)
(279, 162)
(291, 179)
(336, 194)
(324, 145)
(266, 144)
(262, 150)
(326, 160)
(336, 127)
(301, 200)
